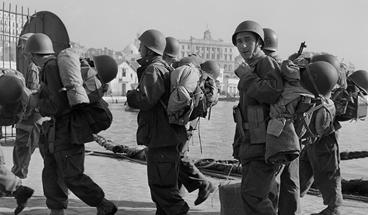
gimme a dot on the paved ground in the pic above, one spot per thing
(125, 183)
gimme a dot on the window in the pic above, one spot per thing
(230, 50)
(182, 54)
(225, 49)
(225, 56)
(218, 56)
(202, 48)
(182, 47)
(207, 56)
(230, 67)
(231, 58)
(188, 46)
(208, 49)
(225, 66)
(213, 56)
(124, 72)
(213, 49)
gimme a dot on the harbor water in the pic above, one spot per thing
(125, 182)
(214, 137)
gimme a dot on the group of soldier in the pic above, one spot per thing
(271, 91)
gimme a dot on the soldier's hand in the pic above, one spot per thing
(243, 69)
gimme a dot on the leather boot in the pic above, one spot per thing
(204, 192)
(57, 212)
(22, 194)
(106, 207)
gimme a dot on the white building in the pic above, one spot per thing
(230, 86)
(125, 80)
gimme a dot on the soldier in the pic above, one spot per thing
(271, 44)
(28, 129)
(259, 86)
(13, 97)
(63, 153)
(172, 49)
(319, 160)
(287, 189)
(189, 174)
(163, 140)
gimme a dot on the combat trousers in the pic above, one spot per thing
(26, 141)
(189, 174)
(258, 180)
(319, 163)
(287, 189)
(64, 170)
(163, 175)
(8, 181)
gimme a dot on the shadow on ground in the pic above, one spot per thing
(36, 206)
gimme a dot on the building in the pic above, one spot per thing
(131, 52)
(210, 49)
(125, 80)
(11, 24)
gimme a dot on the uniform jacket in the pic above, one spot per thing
(70, 125)
(32, 82)
(258, 88)
(150, 98)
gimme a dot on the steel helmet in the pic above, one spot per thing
(360, 78)
(193, 59)
(153, 40)
(212, 68)
(11, 89)
(319, 77)
(106, 67)
(172, 47)
(271, 42)
(250, 26)
(39, 43)
(327, 58)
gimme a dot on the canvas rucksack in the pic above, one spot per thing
(83, 86)
(304, 121)
(350, 103)
(192, 94)
(10, 114)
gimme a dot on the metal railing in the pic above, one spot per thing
(12, 20)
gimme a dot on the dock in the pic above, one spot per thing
(125, 183)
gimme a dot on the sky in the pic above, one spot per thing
(339, 27)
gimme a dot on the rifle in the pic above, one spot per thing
(301, 47)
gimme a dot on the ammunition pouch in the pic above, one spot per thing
(257, 124)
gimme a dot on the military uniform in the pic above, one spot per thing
(319, 162)
(162, 139)
(189, 174)
(287, 189)
(258, 89)
(62, 145)
(27, 130)
(8, 181)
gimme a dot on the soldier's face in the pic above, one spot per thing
(142, 50)
(246, 42)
